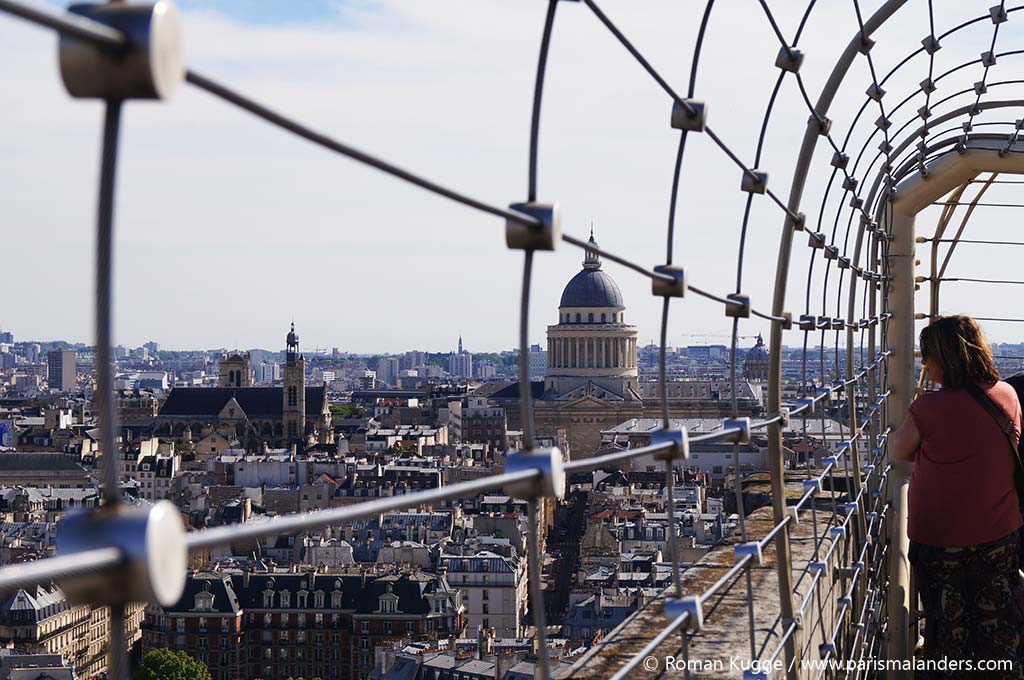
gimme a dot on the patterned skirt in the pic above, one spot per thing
(973, 600)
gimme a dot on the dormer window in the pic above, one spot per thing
(268, 599)
(204, 601)
(388, 602)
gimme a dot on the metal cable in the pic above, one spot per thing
(294, 523)
(281, 121)
(525, 387)
(66, 23)
(29, 575)
(109, 430)
(538, 92)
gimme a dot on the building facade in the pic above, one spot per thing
(494, 590)
(275, 626)
(60, 370)
(41, 620)
(484, 423)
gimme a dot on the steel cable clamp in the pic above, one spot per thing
(151, 64)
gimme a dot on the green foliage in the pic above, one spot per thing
(347, 411)
(493, 357)
(163, 664)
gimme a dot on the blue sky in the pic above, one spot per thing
(271, 12)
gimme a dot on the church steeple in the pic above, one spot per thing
(293, 392)
(292, 342)
(460, 343)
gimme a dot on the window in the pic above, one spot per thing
(577, 318)
(487, 609)
(387, 627)
(180, 622)
(603, 317)
(292, 396)
(286, 599)
(590, 317)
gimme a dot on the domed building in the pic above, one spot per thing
(591, 350)
(592, 383)
(755, 362)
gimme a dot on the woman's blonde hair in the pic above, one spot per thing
(957, 345)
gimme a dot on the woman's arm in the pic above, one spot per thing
(905, 441)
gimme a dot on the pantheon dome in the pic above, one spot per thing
(591, 350)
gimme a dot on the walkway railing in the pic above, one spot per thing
(115, 555)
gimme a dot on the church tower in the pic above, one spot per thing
(294, 391)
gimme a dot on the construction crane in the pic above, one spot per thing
(717, 335)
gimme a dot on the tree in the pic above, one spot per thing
(347, 411)
(163, 664)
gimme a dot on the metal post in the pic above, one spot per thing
(901, 382)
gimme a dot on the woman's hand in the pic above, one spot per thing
(905, 441)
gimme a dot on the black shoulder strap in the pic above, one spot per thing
(999, 415)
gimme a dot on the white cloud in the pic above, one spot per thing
(227, 228)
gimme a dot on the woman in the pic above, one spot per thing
(964, 517)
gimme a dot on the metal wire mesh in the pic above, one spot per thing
(850, 548)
